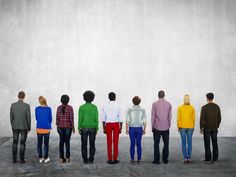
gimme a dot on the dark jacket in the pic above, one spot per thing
(20, 116)
(210, 117)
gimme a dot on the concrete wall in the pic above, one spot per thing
(131, 47)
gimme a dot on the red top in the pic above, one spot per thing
(65, 120)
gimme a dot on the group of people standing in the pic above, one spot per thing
(88, 121)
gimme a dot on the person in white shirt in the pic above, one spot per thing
(112, 127)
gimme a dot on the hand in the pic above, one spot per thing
(104, 131)
(127, 132)
(28, 131)
(73, 130)
(120, 130)
(96, 132)
(144, 131)
(178, 129)
(152, 130)
(201, 131)
(79, 131)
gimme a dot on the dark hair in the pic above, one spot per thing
(88, 96)
(161, 94)
(112, 96)
(136, 100)
(210, 96)
(64, 100)
(21, 95)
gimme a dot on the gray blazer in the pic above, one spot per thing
(20, 116)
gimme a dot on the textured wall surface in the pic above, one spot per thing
(131, 47)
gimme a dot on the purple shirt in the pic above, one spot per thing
(161, 115)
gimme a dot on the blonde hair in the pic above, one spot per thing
(42, 101)
(186, 99)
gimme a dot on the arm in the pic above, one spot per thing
(120, 120)
(96, 118)
(80, 120)
(144, 122)
(57, 116)
(50, 115)
(178, 118)
(11, 115)
(127, 122)
(104, 121)
(170, 115)
(193, 117)
(202, 119)
(72, 119)
(28, 117)
(219, 118)
(153, 116)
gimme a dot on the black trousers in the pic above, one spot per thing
(65, 134)
(165, 152)
(23, 137)
(210, 135)
(85, 134)
(43, 138)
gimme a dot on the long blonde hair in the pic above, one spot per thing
(42, 101)
(186, 99)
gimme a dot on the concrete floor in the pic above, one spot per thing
(226, 167)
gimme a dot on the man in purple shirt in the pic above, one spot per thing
(161, 121)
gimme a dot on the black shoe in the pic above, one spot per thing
(15, 160)
(110, 162)
(90, 161)
(23, 161)
(155, 162)
(165, 161)
(86, 161)
(139, 162)
(132, 162)
(206, 161)
(116, 161)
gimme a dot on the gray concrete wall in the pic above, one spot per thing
(132, 47)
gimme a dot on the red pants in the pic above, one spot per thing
(112, 131)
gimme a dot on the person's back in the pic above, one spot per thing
(211, 117)
(186, 116)
(43, 116)
(136, 116)
(88, 114)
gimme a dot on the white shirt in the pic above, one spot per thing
(111, 113)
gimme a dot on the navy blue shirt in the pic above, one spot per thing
(43, 117)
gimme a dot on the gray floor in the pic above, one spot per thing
(224, 168)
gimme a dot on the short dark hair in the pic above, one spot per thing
(136, 100)
(21, 95)
(112, 96)
(65, 99)
(161, 94)
(88, 96)
(210, 96)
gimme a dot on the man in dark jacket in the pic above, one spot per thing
(21, 124)
(209, 123)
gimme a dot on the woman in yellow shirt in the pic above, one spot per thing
(186, 122)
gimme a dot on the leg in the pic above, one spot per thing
(84, 142)
(61, 133)
(39, 147)
(109, 140)
(214, 144)
(165, 152)
(207, 145)
(15, 144)
(116, 132)
(156, 137)
(92, 138)
(189, 138)
(67, 141)
(23, 137)
(132, 142)
(138, 142)
(183, 138)
(46, 145)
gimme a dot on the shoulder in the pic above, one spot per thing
(70, 107)
(180, 107)
(191, 107)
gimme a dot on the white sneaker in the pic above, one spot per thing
(41, 160)
(47, 160)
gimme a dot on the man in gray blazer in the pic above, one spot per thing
(21, 125)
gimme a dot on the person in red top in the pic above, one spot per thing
(65, 126)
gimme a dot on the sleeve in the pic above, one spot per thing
(96, 118)
(219, 117)
(202, 118)
(178, 118)
(170, 115)
(50, 115)
(11, 115)
(72, 116)
(119, 116)
(103, 115)
(29, 117)
(80, 118)
(57, 117)
(153, 115)
(128, 117)
(144, 117)
(193, 117)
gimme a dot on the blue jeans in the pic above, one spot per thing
(65, 134)
(135, 134)
(46, 144)
(186, 133)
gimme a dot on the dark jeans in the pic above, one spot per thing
(41, 138)
(165, 152)
(85, 134)
(65, 134)
(23, 137)
(211, 135)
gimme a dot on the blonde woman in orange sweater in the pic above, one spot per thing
(186, 123)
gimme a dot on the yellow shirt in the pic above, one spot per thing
(186, 116)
